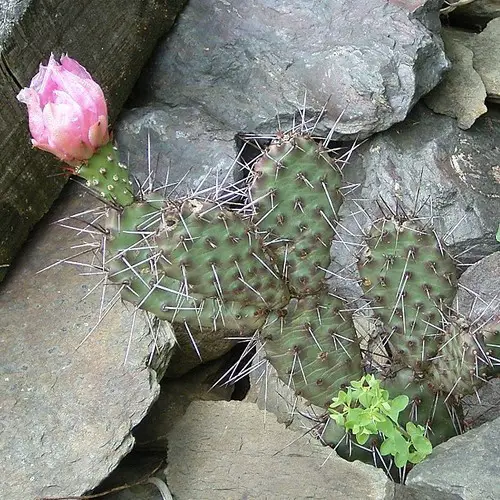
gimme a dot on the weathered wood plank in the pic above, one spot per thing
(112, 39)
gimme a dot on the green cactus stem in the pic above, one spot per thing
(107, 176)
(218, 254)
(313, 346)
(463, 361)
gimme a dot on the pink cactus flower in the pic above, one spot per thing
(67, 111)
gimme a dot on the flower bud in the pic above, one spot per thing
(67, 111)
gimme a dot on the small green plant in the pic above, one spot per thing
(365, 410)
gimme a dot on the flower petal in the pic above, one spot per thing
(29, 97)
(64, 131)
(86, 93)
(44, 83)
(74, 67)
(98, 133)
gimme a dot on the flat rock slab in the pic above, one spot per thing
(66, 414)
(464, 468)
(233, 450)
(245, 62)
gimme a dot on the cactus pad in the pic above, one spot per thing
(463, 362)
(313, 346)
(164, 298)
(106, 176)
(218, 255)
(296, 191)
(411, 282)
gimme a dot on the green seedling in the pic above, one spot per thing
(365, 410)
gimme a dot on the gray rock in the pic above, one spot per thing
(29, 32)
(464, 468)
(487, 58)
(484, 407)
(67, 412)
(223, 450)
(476, 13)
(175, 397)
(478, 297)
(461, 94)
(151, 434)
(210, 345)
(245, 62)
(454, 171)
(187, 147)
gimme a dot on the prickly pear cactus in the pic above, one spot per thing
(201, 266)
(107, 176)
(217, 254)
(313, 347)
(263, 267)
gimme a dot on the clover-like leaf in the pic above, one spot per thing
(338, 418)
(414, 430)
(401, 458)
(388, 447)
(400, 402)
(387, 427)
(362, 437)
(365, 398)
(416, 458)
(422, 445)
(365, 410)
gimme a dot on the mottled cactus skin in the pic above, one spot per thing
(218, 255)
(144, 233)
(106, 176)
(465, 360)
(296, 187)
(313, 347)
(411, 282)
(201, 266)
(491, 338)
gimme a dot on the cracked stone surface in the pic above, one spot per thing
(66, 412)
(486, 59)
(483, 278)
